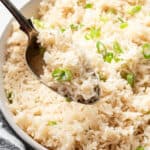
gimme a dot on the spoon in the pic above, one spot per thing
(34, 59)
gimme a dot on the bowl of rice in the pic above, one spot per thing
(81, 40)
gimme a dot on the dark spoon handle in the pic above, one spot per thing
(25, 24)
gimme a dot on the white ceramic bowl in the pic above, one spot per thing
(30, 9)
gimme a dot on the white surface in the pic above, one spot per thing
(5, 135)
(5, 15)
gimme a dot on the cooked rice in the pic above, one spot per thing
(120, 120)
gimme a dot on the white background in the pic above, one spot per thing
(5, 16)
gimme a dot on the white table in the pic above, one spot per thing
(5, 15)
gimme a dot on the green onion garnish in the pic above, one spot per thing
(52, 123)
(140, 148)
(135, 10)
(117, 59)
(117, 47)
(93, 33)
(68, 99)
(102, 76)
(38, 23)
(146, 50)
(120, 19)
(108, 57)
(74, 27)
(87, 37)
(81, 25)
(100, 47)
(130, 78)
(123, 25)
(88, 6)
(103, 19)
(10, 97)
(61, 74)
(62, 30)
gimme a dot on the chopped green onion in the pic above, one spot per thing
(62, 30)
(103, 19)
(120, 19)
(42, 50)
(93, 33)
(74, 27)
(140, 148)
(130, 78)
(117, 47)
(123, 25)
(61, 74)
(146, 50)
(68, 99)
(102, 76)
(135, 10)
(117, 59)
(38, 23)
(87, 37)
(81, 25)
(88, 5)
(10, 97)
(52, 123)
(108, 57)
(100, 47)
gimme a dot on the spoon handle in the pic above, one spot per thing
(25, 25)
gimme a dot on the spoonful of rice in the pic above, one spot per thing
(83, 88)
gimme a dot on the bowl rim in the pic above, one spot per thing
(3, 106)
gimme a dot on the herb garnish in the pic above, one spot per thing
(10, 97)
(93, 33)
(38, 23)
(68, 99)
(62, 74)
(123, 24)
(146, 50)
(88, 6)
(140, 148)
(100, 47)
(117, 47)
(52, 123)
(135, 9)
